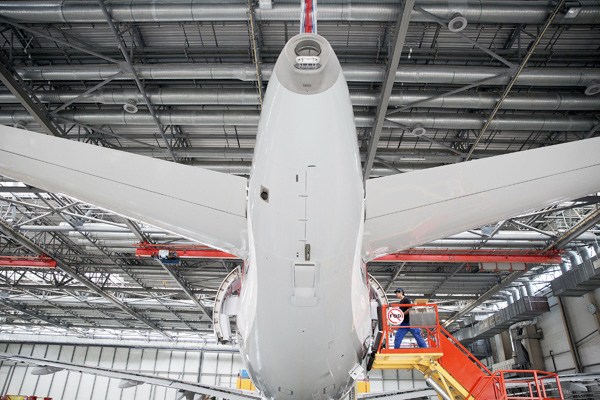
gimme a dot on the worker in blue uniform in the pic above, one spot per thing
(403, 330)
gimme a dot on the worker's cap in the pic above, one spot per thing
(399, 290)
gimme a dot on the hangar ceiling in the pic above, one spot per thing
(183, 81)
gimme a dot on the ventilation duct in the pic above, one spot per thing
(509, 298)
(583, 277)
(531, 122)
(187, 96)
(523, 290)
(419, 74)
(475, 11)
(523, 309)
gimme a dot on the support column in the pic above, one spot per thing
(569, 334)
(506, 345)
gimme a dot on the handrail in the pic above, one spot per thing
(431, 330)
(464, 350)
(391, 317)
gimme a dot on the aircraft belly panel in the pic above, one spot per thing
(306, 183)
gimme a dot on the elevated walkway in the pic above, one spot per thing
(449, 368)
(525, 308)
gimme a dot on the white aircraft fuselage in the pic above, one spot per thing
(304, 321)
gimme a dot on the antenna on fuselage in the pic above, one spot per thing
(308, 17)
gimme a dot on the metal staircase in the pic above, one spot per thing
(449, 368)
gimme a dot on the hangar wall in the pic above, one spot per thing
(584, 328)
(221, 367)
(215, 368)
(210, 367)
(556, 349)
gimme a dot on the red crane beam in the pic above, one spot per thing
(27, 262)
(474, 256)
(150, 250)
(413, 255)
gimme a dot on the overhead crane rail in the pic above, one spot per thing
(42, 261)
(144, 249)
(449, 367)
(476, 256)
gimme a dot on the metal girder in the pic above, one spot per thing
(514, 36)
(449, 93)
(256, 57)
(109, 257)
(185, 287)
(88, 92)
(27, 98)
(514, 78)
(11, 189)
(145, 249)
(510, 278)
(468, 39)
(394, 277)
(134, 290)
(36, 314)
(186, 330)
(590, 220)
(9, 231)
(138, 82)
(27, 262)
(404, 13)
(446, 280)
(475, 256)
(136, 231)
(57, 40)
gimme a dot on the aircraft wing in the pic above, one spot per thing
(201, 205)
(183, 386)
(411, 209)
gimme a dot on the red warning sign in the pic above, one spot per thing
(395, 316)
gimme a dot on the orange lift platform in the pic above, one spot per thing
(449, 368)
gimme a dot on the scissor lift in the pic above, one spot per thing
(449, 367)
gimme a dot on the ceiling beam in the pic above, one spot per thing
(134, 73)
(69, 270)
(254, 33)
(510, 278)
(27, 98)
(179, 280)
(589, 221)
(404, 13)
(515, 77)
(38, 315)
(183, 285)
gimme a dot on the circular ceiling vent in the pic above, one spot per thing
(593, 88)
(130, 106)
(418, 130)
(457, 23)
